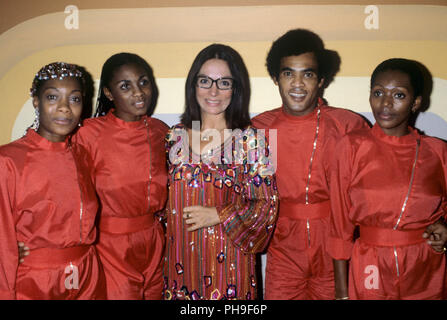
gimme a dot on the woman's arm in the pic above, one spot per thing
(341, 279)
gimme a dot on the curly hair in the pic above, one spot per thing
(298, 41)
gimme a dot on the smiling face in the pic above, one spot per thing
(392, 102)
(214, 101)
(130, 90)
(60, 106)
(298, 83)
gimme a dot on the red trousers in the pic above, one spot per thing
(61, 274)
(395, 265)
(131, 252)
(298, 267)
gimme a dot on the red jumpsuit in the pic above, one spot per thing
(298, 266)
(48, 202)
(371, 179)
(130, 177)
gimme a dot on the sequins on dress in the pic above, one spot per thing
(218, 262)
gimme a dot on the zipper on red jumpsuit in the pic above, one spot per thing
(418, 142)
(310, 172)
(81, 210)
(150, 166)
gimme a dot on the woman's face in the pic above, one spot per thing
(392, 102)
(213, 101)
(130, 90)
(60, 107)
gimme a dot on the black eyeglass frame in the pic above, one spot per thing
(215, 81)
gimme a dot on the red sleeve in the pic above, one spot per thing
(440, 148)
(84, 145)
(9, 258)
(341, 231)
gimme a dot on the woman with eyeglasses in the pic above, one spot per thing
(222, 199)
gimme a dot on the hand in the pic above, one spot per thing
(436, 234)
(23, 251)
(200, 217)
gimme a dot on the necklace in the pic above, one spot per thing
(312, 156)
(211, 131)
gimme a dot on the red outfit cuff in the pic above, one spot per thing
(339, 249)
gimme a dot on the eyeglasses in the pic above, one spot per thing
(222, 83)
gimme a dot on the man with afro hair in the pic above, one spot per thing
(298, 267)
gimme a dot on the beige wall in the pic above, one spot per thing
(169, 36)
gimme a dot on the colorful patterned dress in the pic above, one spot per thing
(218, 262)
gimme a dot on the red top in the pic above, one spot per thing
(370, 181)
(295, 141)
(46, 200)
(129, 163)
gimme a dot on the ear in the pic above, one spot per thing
(107, 93)
(275, 80)
(321, 83)
(416, 104)
(36, 102)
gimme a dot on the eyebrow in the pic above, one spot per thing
(127, 80)
(398, 87)
(205, 76)
(58, 89)
(301, 70)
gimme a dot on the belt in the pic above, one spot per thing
(300, 211)
(390, 237)
(125, 225)
(55, 256)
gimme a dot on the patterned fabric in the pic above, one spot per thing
(218, 262)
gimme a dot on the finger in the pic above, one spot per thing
(187, 215)
(438, 244)
(194, 227)
(190, 208)
(429, 228)
(21, 244)
(438, 248)
(425, 235)
(21, 260)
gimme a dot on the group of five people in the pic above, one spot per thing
(120, 206)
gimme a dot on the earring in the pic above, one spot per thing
(35, 124)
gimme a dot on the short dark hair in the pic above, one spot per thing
(103, 104)
(408, 67)
(298, 41)
(236, 114)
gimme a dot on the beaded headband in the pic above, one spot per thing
(55, 70)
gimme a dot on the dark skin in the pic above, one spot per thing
(392, 102)
(60, 107)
